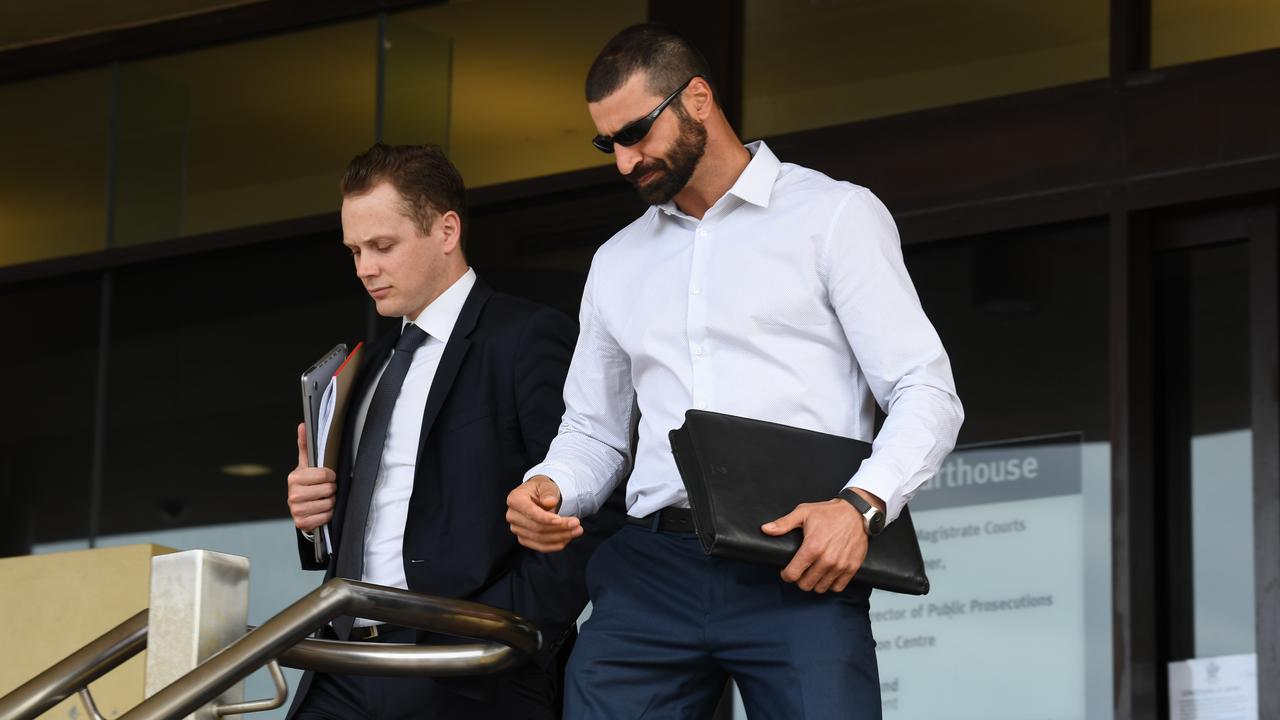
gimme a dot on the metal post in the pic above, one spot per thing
(199, 605)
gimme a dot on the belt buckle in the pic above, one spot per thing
(373, 632)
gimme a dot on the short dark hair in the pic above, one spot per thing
(429, 184)
(664, 56)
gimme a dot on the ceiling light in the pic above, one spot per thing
(246, 470)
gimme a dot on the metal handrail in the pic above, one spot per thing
(391, 659)
(515, 639)
(76, 670)
(509, 640)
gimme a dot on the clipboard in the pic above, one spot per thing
(326, 389)
(315, 381)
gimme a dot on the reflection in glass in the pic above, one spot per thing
(153, 130)
(30, 23)
(516, 107)
(53, 191)
(1016, 527)
(1189, 30)
(243, 134)
(46, 429)
(808, 65)
(417, 69)
(205, 358)
(1216, 281)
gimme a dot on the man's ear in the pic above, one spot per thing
(698, 99)
(451, 231)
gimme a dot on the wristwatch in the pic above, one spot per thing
(872, 517)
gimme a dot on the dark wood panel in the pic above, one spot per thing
(1202, 115)
(1172, 135)
(1006, 147)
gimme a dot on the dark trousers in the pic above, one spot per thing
(669, 625)
(525, 692)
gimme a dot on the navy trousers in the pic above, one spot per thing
(669, 625)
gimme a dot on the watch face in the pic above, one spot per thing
(875, 523)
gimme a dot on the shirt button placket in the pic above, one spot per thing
(696, 322)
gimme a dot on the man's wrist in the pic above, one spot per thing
(868, 507)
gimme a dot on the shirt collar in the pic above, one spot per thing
(438, 318)
(754, 185)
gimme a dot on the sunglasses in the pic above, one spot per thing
(634, 132)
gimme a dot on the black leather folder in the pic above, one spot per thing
(742, 473)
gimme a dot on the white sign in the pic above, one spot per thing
(1002, 633)
(1216, 688)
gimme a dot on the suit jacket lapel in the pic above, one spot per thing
(454, 352)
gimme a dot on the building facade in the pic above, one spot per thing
(1088, 197)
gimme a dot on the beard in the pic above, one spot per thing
(674, 171)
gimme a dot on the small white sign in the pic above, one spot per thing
(1214, 688)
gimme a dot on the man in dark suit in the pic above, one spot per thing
(447, 413)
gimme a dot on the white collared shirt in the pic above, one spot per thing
(388, 511)
(788, 302)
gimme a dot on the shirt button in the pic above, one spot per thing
(697, 350)
(695, 291)
(702, 233)
(702, 406)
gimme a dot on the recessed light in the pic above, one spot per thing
(246, 470)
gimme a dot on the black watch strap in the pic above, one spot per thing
(872, 518)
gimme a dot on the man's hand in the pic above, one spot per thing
(311, 490)
(531, 511)
(835, 543)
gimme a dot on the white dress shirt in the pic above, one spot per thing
(388, 511)
(788, 302)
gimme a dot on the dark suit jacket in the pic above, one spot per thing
(494, 406)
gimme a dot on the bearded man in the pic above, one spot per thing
(755, 288)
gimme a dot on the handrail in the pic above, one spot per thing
(510, 640)
(77, 670)
(392, 659)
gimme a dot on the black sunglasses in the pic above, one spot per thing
(634, 132)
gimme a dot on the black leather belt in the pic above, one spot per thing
(668, 519)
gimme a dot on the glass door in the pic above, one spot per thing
(1216, 474)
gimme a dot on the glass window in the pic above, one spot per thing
(53, 191)
(1188, 30)
(242, 134)
(205, 358)
(1208, 471)
(542, 250)
(46, 430)
(516, 108)
(814, 64)
(27, 23)
(1016, 527)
